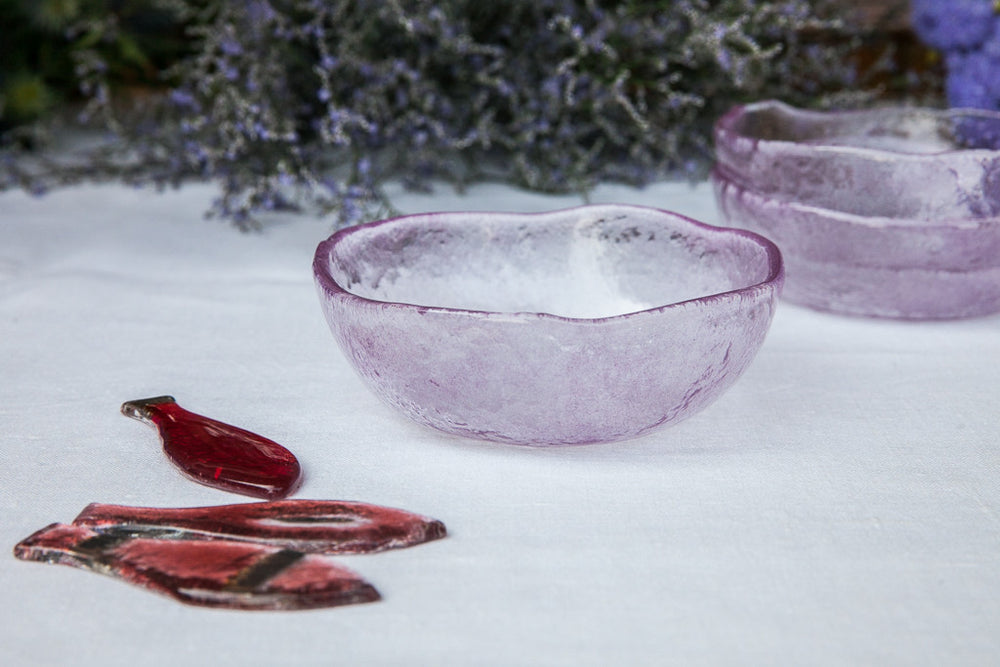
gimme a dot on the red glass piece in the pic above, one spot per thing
(211, 573)
(311, 526)
(217, 454)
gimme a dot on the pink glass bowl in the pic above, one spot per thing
(583, 325)
(899, 162)
(877, 267)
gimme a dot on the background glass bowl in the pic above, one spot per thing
(879, 267)
(912, 163)
(583, 325)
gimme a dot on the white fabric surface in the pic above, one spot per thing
(839, 505)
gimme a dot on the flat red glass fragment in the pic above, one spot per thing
(311, 526)
(215, 573)
(217, 454)
(270, 555)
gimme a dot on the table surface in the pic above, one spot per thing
(839, 505)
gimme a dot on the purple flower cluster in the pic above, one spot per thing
(952, 25)
(968, 33)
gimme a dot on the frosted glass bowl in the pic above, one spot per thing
(584, 325)
(873, 266)
(897, 162)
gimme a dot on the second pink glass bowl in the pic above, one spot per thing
(584, 325)
(875, 267)
(895, 162)
(888, 212)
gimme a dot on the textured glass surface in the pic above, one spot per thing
(881, 267)
(912, 163)
(583, 325)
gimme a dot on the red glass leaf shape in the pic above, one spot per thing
(312, 526)
(217, 454)
(215, 573)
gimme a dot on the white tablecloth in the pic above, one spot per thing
(839, 505)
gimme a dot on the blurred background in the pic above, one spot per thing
(292, 104)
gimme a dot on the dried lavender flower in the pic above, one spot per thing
(316, 103)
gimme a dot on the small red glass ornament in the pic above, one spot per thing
(217, 454)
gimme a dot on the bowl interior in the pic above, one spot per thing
(590, 262)
(894, 130)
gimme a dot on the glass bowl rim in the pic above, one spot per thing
(726, 131)
(772, 256)
(725, 176)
